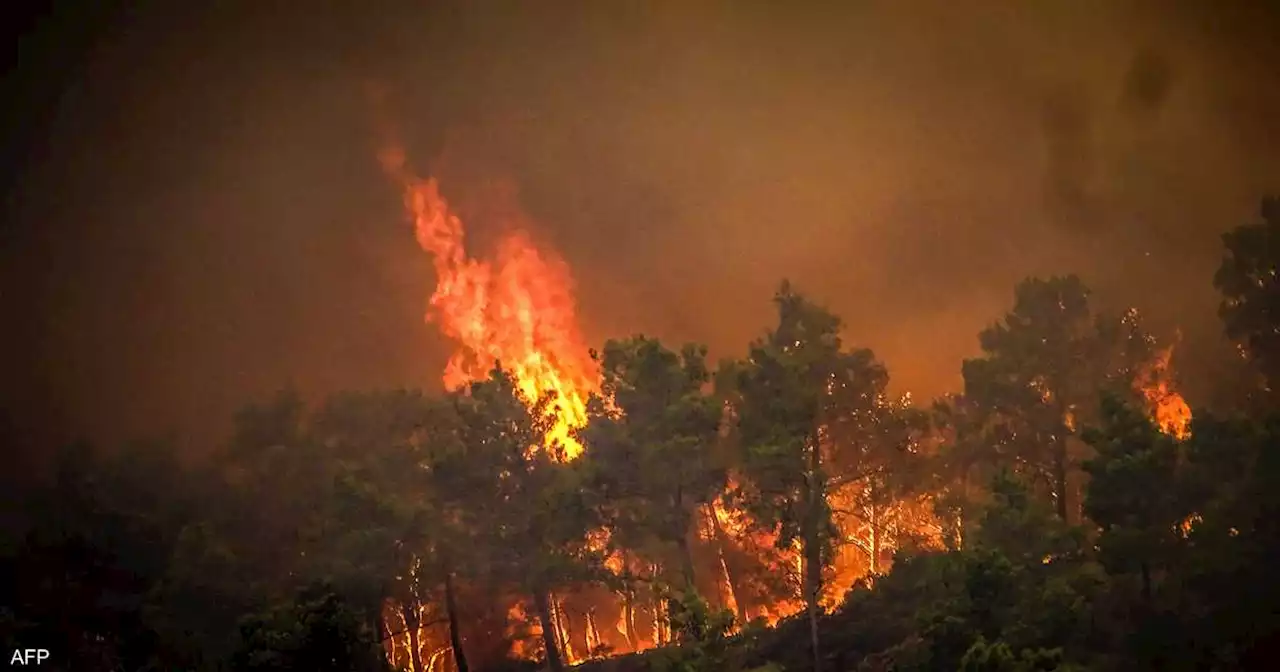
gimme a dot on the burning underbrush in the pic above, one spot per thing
(739, 570)
(516, 310)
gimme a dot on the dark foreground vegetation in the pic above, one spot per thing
(1072, 523)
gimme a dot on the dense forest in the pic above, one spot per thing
(783, 511)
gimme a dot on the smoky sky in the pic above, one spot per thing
(195, 216)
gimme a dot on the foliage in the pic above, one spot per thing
(317, 631)
(803, 405)
(317, 528)
(1133, 496)
(1039, 380)
(997, 657)
(704, 645)
(1251, 291)
(652, 437)
(93, 562)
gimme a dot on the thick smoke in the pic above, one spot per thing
(1071, 163)
(206, 221)
(1147, 85)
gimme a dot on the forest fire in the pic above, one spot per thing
(516, 309)
(600, 360)
(1169, 410)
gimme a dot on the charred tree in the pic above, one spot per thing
(1060, 478)
(542, 603)
(812, 570)
(730, 576)
(412, 623)
(455, 636)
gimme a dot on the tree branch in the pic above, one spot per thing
(422, 626)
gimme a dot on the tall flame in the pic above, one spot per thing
(516, 308)
(1169, 410)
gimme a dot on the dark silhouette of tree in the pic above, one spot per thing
(1250, 307)
(316, 631)
(1039, 379)
(651, 444)
(798, 390)
(314, 527)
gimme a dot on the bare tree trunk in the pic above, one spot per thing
(686, 564)
(542, 603)
(730, 577)
(388, 647)
(658, 637)
(812, 585)
(629, 618)
(411, 623)
(812, 552)
(676, 607)
(563, 635)
(962, 522)
(1060, 477)
(589, 631)
(874, 547)
(660, 612)
(455, 636)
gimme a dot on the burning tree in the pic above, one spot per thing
(876, 460)
(516, 308)
(1039, 381)
(651, 439)
(488, 520)
(535, 526)
(796, 394)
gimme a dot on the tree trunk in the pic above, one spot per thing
(542, 603)
(722, 545)
(592, 633)
(812, 551)
(675, 602)
(1060, 477)
(629, 618)
(676, 607)
(962, 523)
(1146, 583)
(455, 636)
(411, 622)
(563, 636)
(388, 647)
(661, 612)
(660, 623)
(811, 586)
(686, 564)
(874, 565)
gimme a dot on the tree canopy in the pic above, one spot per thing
(785, 511)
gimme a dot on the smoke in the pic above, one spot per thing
(1070, 124)
(1147, 85)
(208, 221)
(1068, 138)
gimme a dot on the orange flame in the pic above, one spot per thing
(516, 309)
(1168, 409)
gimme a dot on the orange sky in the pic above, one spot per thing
(202, 219)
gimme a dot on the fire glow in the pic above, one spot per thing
(516, 309)
(1169, 411)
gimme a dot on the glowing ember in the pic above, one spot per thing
(516, 309)
(1188, 524)
(1168, 409)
